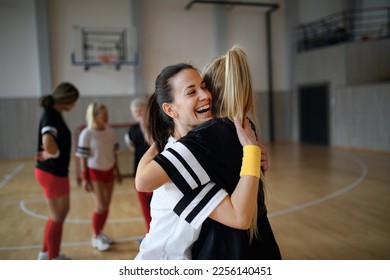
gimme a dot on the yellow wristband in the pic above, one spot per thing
(251, 161)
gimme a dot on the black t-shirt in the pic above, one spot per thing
(137, 138)
(216, 146)
(52, 122)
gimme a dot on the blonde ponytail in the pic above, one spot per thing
(228, 79)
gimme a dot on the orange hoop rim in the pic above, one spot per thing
(106, 58)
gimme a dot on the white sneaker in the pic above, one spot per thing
(107, 239)
(99, 243)
(42, 256)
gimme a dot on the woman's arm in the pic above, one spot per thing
(265, 161)
(49, 143)
(87, 185)
(117, 173)
(150, 175)
(235, 211)
(49, 146)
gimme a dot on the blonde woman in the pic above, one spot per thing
(229, 80)
(97, 147)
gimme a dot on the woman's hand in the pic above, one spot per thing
(265, 161)
(245, 133)
(49, 148)
(41, 156)
(44, 155)
(143, 181)
(87, 185)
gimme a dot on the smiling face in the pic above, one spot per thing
(191, 104)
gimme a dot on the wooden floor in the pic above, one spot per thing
(323, 204)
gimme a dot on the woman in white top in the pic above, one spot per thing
(97, 147)
(215, 145)
(181, 102)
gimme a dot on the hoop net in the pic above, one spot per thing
(106, 58)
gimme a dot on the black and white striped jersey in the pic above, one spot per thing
(52, 123)
(190, 177)
(215, 145)
(178, 211)
(210, 152)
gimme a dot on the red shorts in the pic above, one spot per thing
(53, 186)
(101, 176)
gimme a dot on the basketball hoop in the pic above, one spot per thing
(106, 58)
(104, 46)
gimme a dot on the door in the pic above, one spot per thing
(313, 113)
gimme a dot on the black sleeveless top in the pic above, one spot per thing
(140, 146)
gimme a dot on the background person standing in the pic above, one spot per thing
(52, 167)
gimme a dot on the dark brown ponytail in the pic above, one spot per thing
(158, 125)
(64, 93)
(46, 101)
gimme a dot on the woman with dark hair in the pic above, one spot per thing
(52, 168)
(214, 145)
(181, 102)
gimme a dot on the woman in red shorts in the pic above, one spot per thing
(97, 147)
(51, 171)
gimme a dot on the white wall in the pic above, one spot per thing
(173, 35)
(361, 116)
(19, 70)
(246, 25)
(98, 81)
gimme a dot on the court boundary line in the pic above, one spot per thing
(23, 207)
(77, 220)
(9, 176)
(335, 194)
(70, 244)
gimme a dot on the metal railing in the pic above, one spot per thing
(346, 26)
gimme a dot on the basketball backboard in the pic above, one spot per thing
(104, 46)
